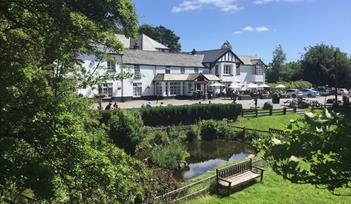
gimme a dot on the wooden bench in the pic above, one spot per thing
(238, 174)
(277, 132)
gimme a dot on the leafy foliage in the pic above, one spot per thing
(187, 114)
(52, 149)
(126, 130)
(162, 35)
(291, 71)
(293, 84)
(169, 156)
(318, 66)
(211, 129)
(279, 57)
(321, 145)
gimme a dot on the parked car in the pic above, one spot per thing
(343, 91)
(309, 93)
(293, 93)
(323, 91)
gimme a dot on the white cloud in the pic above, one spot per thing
(191, 5)
(252, 29)
(248, 28)
(274, 1)
(262, 29)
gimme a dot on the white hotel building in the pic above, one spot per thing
(157, 72)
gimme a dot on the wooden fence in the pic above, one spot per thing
(261, 112)
(189, 191)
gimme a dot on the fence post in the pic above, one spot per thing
(284, 110)
(256, 112)
(271, 111)
(312, 107)
(294, 109)
(242, 112)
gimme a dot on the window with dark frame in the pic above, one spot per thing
(137, 89)
(158, 88)
(106, 89)
(217, 70)
(227, 69)
(168, 70)
(174, 88)
(137, 74)
(258, 69)
(111, 66)
(196, 70)
(182, 70)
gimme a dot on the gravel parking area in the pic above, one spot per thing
(245, 103)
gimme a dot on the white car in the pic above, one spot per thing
(309, 93)
(293, 93)
(343, 91)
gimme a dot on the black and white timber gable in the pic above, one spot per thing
(229, 56)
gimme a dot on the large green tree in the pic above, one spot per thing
(274, 71)
(291, 71)
(317, 150)
(323, 64)
(51, 146)
(162, 35)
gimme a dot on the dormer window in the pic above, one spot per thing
(111, 66)
(182, 70)
(196, 70)
(168, 70)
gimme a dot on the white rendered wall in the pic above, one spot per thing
(245, 76)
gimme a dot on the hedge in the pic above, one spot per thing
(188, 114)
(292, 84)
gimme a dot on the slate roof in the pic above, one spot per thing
(212, 55)
(142, 57)
(184, 77)
(249, 60)
(211, 77)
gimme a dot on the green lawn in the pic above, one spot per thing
(266, 122)
(274, 189)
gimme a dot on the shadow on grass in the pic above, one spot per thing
(222, 191)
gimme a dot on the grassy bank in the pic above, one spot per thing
(275, 189)
(266, 122)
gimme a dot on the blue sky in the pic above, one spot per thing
(253, 27)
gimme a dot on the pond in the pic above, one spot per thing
(207, 155)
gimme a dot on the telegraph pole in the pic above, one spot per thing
(336, 79)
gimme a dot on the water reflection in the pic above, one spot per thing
(207, 155)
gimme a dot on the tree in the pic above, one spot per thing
(279, 57)
(52, 148)
(321, 147)
(323, 64)
(162, 35)
(126, 130)
(291, 71)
